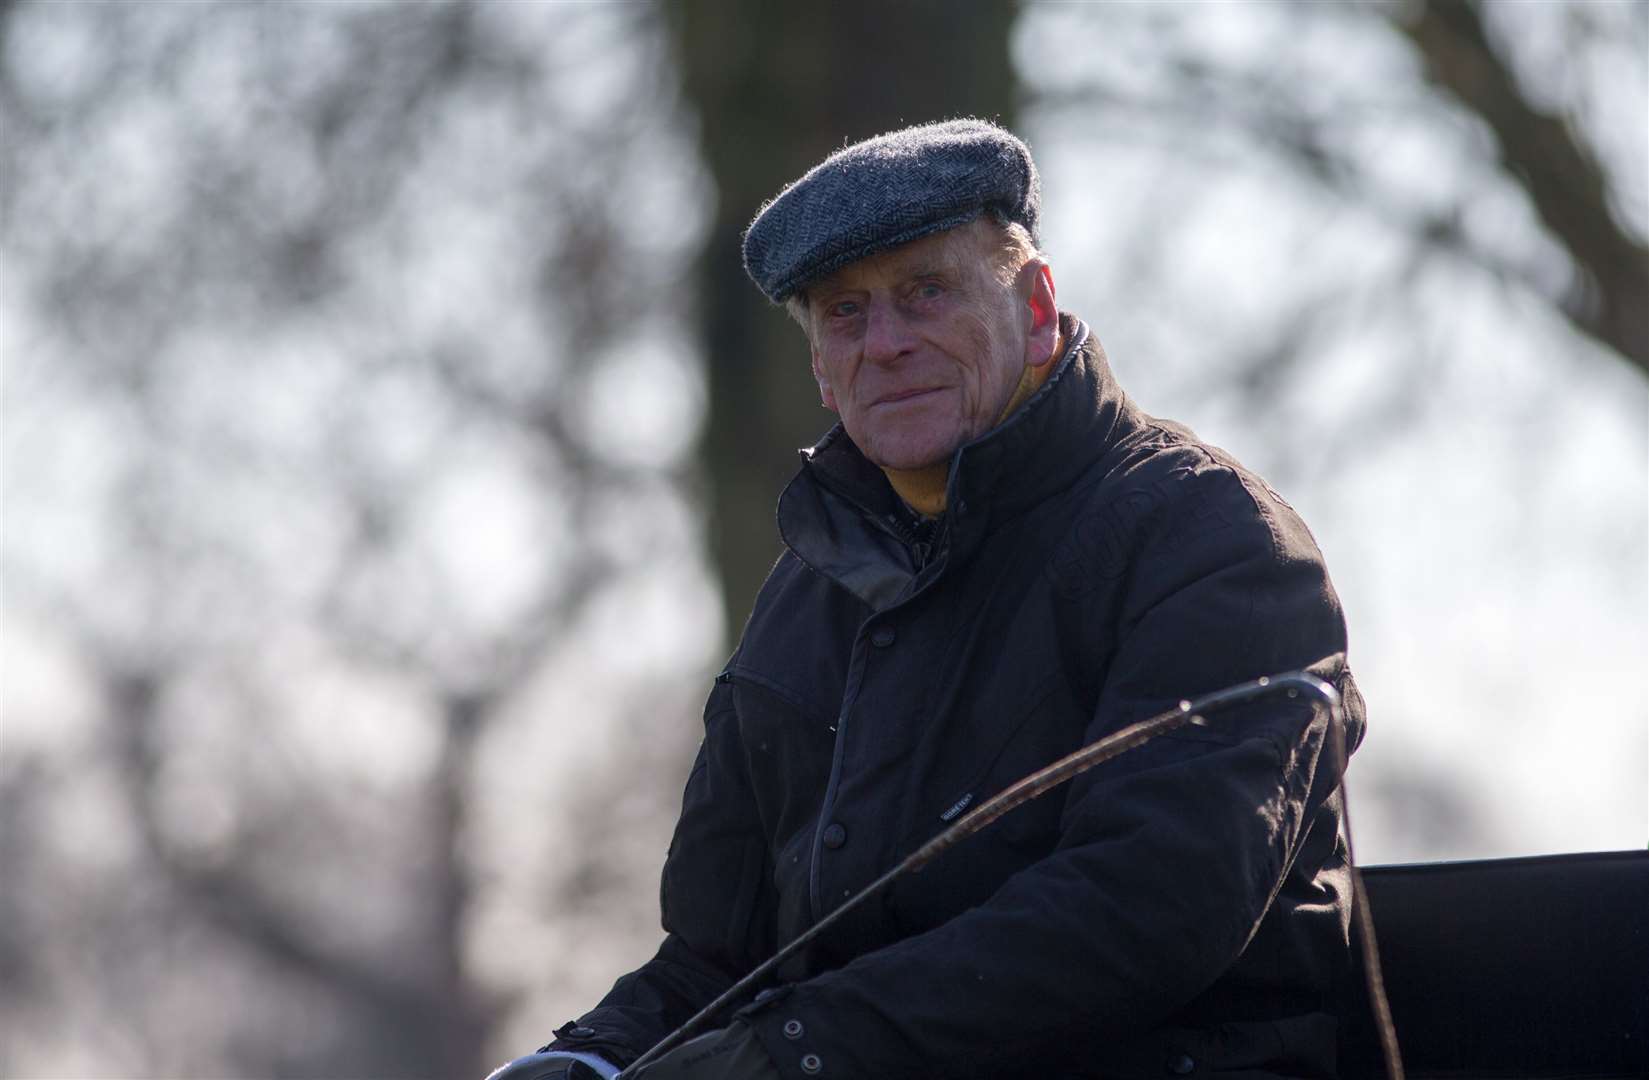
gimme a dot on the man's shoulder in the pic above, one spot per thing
(1162, 493)
(1158, 447)
(790, 581)
(796, 605)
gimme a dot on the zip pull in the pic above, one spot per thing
(957, 807)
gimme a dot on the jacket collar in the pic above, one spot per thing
(840, 515)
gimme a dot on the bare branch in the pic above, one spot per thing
(1563, 179)
(232, 904)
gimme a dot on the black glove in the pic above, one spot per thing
(733, 1053)
(547, 1065)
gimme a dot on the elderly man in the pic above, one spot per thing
(992, 559)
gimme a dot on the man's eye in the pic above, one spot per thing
(844, 309)
(929, 290)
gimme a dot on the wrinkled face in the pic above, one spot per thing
(920, 348)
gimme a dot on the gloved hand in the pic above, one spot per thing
(556, 1065)
(733, 1053)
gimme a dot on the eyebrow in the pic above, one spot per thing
(928, 264)
(927, 267)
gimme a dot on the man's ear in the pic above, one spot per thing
(826, 395)
(1036, 283)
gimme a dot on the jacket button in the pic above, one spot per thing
(812, 1064)
(792, 1029)
(1182, 1065)
(581, 1032)
(882, 636)
(835, 836)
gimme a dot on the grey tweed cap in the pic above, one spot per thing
(888, 191)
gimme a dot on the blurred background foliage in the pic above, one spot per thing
(391, 438)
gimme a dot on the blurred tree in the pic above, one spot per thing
(324, 471)
(776, 88)
(1548, 154)
(1495, 143)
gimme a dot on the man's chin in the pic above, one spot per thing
(907, 450)
(910, 459)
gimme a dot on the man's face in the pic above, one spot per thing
(919, 349)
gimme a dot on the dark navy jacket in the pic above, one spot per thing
(1181, 908)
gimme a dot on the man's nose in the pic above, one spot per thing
(887, 333)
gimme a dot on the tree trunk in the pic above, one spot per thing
(777, 87)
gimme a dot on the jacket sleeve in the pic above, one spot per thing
(1168, 856)
(716, 930)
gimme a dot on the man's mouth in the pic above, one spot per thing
(906, 395)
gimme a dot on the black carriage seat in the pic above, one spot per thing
(1509, 969)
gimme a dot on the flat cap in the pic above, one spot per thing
(887, 191)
